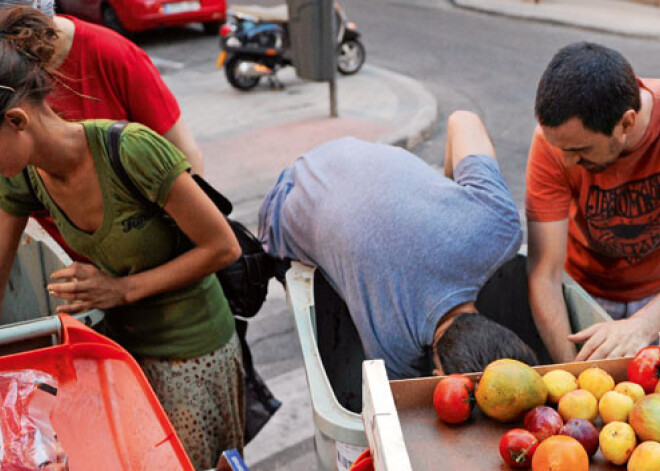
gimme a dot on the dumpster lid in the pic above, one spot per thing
(106, 416)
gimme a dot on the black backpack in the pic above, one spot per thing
(245, 282)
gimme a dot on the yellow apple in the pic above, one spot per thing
(617, 442)
(578, 404)
(633, 390)
(615, 407)
(559, 382)
(646, 457)
(596, 380)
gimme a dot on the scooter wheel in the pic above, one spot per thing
(235, 79)
(212, 28)
(350, 57)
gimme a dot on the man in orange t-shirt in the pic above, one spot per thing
(593, 201)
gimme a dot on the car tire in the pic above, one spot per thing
(212, 28)
(111, 20)
(242, 83)
(350, 57)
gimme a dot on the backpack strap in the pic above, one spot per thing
(113, 142)
(26, 175)
(220, 200)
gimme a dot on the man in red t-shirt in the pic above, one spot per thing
(593, 201)
(104, 75)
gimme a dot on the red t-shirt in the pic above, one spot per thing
(107, 76)
(110, 77)
(614, 216)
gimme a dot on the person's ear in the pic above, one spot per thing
(17, 119)
(628, 121)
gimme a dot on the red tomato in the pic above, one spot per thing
(468, 382)
(453, 400)
(644, 368)
(517, 447)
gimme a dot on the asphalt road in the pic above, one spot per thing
(469, 60)
(484, 63)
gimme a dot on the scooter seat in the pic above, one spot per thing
(276, 14)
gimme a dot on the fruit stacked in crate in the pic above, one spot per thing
(566, 419)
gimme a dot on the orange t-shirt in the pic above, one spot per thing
(614, 216)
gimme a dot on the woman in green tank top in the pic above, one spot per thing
(162, 300)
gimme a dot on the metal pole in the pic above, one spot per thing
(333, 98)
(31, 329)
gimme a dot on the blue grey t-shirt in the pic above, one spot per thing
(399, 242)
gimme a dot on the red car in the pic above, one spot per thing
(129, 16)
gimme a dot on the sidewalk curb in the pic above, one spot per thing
(423, 123)
(525, 16)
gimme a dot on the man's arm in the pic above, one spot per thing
(10, 236)
(547, 252)
(620, 338)
(182, 138)
(466, 135)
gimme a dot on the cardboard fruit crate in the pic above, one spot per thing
(404, 433)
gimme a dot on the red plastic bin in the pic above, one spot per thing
(364, 462)
(106, 416)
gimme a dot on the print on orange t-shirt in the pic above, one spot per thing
(614, 216)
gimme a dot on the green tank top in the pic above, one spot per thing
(181, 324)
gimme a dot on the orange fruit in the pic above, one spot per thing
(560, 453)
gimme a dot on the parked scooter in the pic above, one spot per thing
(255, 43)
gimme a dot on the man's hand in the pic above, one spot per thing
(620, 338)
(86, 287)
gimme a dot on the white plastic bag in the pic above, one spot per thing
(28, 441)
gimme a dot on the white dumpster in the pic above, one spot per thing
(339, 433)
(26, 296)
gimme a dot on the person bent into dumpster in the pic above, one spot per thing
(406, 248)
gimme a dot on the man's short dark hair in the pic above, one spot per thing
(472, 341)
(588, 81)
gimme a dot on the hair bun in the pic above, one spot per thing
(32, 34)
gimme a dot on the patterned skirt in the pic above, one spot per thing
(204, 398)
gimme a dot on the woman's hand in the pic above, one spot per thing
(86, 287)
